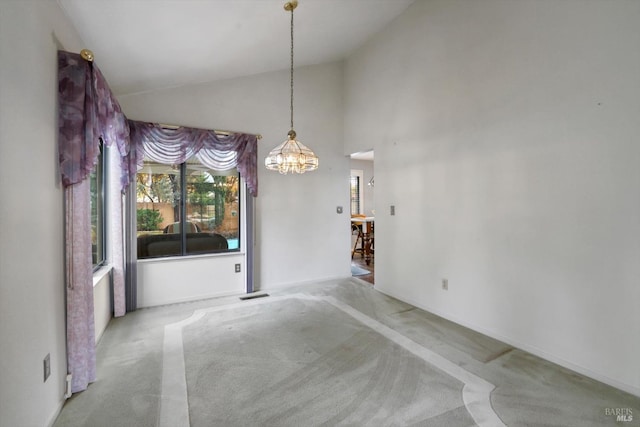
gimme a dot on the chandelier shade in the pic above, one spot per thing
(292, 156)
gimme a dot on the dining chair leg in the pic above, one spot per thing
(359, 239)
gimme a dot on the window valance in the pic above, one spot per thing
(88, 112)
(175, 145)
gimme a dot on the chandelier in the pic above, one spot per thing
(292, 155)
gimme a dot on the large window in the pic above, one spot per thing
(187, 209)
(97, 180)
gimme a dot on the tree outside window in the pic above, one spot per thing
(210, 207)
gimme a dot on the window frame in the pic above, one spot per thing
(100, 174)
(359, 175)
(183, 203)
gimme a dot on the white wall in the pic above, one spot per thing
(32, 305)
(102, 311)
(506, 135)
(299, 235)
(180, 279)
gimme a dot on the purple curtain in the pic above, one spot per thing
(81, 355)
(175, 146)
(78, 138)
(88, 113)
(115, 229)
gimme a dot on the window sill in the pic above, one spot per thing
(188, 257)
(99, 274)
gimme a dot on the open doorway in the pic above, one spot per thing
(361, 193)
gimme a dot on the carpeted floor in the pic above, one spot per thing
(324, 366)
(334, 353)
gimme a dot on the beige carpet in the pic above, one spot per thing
(330, 353)
(303, 360)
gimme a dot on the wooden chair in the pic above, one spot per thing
(356, 227)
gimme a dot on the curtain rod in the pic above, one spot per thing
(218, 131)
(87, 55)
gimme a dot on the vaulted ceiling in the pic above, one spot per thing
(143, 45)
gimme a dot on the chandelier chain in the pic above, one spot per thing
(291, 73)
(291, 156)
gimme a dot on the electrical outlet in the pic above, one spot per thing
(47, 366)
(237, 268)
(392, 210)
(445, 284)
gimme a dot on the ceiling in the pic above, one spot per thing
(142, 45)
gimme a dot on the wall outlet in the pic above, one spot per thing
(46, 363)
(237, 268)
(392, 210)
(445, 284)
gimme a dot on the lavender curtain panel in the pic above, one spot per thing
(88, 113)
(175, 146)
(81, 355)
(115, 229)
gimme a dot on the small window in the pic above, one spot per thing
(98, 229)
(355, 194)
(187, 209)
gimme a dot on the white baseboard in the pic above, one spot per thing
(56, 413)
(285, 285)
(629, 388)
(194, 298)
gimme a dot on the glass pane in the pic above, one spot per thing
(158, 210)
(212, 209)
(97, 213)
(355, 195)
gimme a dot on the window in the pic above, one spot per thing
(355, 194)
(98, 229)
(186, 209)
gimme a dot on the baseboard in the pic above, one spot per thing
(285, 285)
(56, 413)
(189, 299)
(629, 388)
